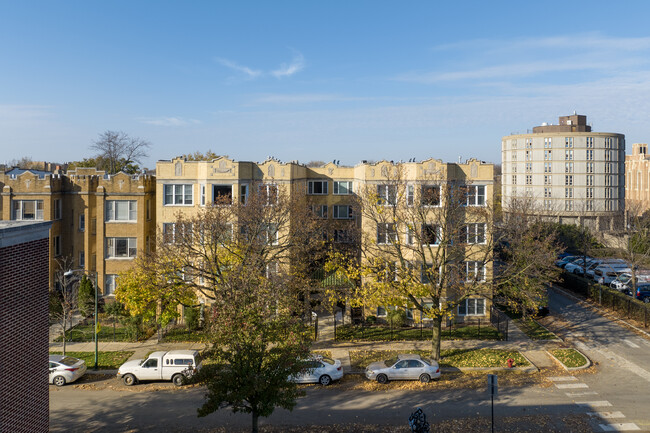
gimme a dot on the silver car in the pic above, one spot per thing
(65, 369)
(404, 367)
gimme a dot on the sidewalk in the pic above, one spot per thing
(534, 351)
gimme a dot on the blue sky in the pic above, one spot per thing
(316, 80)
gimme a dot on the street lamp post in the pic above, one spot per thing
(70, 272)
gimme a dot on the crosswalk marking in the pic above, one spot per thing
(627, 426)
(631, 344)
(562, 378)
(607, 415)
(571, 385)
(599, 403)
(580, 394)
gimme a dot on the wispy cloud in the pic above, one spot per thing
(250, 73)
(303, 98)
(287, 70)
(296, 65)
(168, 121)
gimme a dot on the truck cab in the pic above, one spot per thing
(174, 365)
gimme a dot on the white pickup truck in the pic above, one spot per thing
(174, 365)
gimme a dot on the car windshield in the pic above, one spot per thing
(68, 360)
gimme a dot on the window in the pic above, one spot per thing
(82, 259)
(514, 144)
(548, 204)
(475, 271)
(608, 155)
(529, 167)
(476, 195)
(243, 194)
(386, 233)
(222, 194)
(148, 209)
(590, 143)
(608, 143)
(151, 363)
(342, 236)
(173, 232)
(590, 154)
(529, 155)
(202, 194)
(514, 156)
(57, 209)
(320, 210)
(270, 234)
(589, 205)
(590, 180)
(568, 205)
(342, 212)
(381, 311)
(514, 168)
(56, 244)
(548, 155)
(121, 210)
(589, 193)
(342, 187)
(317, 187)
(529, 179)
(121, 248)
(514, 179)
(590, 167)
(269, 193)
(272, 269)
(475, 233)
(568, 192)
(547, 167)
(28, 209)
(472, 307)
(568, 179)
(177, 195)
(430, 195)
(547, 192)
(110, 282)
(548, 179)
(568, 167)
(387, 194)
(529, 143)
(568, 142)
(547, 142)
(430, 234)
(82, 222)
(409, 235)
(410, 195)
(568, 155)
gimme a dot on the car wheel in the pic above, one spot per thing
(382, 378)
(129, 380)
(646, 299)
(59, 381)
(425, 378)
(178, 379)
(324, 380)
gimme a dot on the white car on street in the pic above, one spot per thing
(320, 369)
(65, 369)
(404, 367)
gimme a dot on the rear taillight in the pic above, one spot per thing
(437, 370)
(71, 369)
(338, 368)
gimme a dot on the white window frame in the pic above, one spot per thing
(131, 247)
(343, 187)
(271, 192)
(476, 233)
(112, 212)
(475, 268)
(387, 194)
(110, 284)
(181, 192)
(342, 212)
(386, 231)
(410, 195)
(434, 188)
(471, 307)
(478, 195)
(438, 234)
(213, 193)
(311, 187)
(320, 210)
(18, 211)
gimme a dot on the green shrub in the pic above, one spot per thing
(86, 297)
(192, 318)
(396, 317)
(371, 320)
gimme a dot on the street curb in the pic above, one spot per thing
(582, 367)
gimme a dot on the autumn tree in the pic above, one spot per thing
(118, 151)
(249, 260)
(428, 244)
(64, 298)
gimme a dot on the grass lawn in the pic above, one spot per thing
(384, 333)
(84, 333)
(569, 357)
(534, 330)
(360, 359)
(105, 360)
(184, 335)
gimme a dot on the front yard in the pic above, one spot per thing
(386, 333)
(105, 360)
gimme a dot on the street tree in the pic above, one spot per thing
(86, 297)
(635, 237)
(64, 298)
(118, 151)
(429, 246)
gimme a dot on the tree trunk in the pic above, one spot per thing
(65, 326)
(255, 422)
(435, 338)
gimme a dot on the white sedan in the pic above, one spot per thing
(321, 370)
(65, 369)
(404, 367)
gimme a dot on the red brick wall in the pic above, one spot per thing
(24, 393)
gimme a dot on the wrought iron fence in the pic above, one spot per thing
(500, 321)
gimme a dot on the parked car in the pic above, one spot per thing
(604, 263)
(643, 293)
(577, 267)
(65, 369)
(562, 262)
(320, 369)
(404, 367)
(174, 365)
(623, 283)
